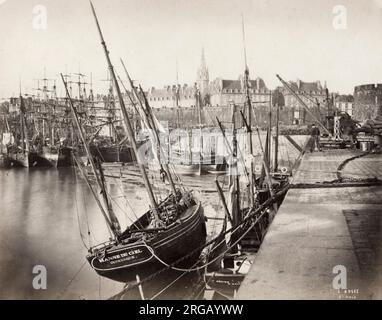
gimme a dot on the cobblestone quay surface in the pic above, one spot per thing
(318, 231)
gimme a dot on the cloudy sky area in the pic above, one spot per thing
(293, 38)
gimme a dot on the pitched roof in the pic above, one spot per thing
(344, 98)
(170, 91)
(306, 86)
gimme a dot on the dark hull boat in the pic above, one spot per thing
(183, 237)
(27, 160)
(113, 153)
(224, 283)
(172, 231)
(195, 169)
(65, 157)
(255, 236)
(221, 168)
(226, 275)
(57, 157)
(4, 161)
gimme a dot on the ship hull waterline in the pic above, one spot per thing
(124, 262)
(27, 160)
(60, 158)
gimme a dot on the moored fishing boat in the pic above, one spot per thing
(172, 230)
(113, 153)
(249, 213)
(57, 156)
(5, 139)
(26, 159)
(144, 250)
(20, 152)
(4, 161)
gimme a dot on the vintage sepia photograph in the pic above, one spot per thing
(200, 150)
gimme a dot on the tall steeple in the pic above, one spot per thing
(203, 64)
(202, 76)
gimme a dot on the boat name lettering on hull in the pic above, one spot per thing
(129, 255)
(122, 258)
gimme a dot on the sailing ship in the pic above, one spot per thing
(172, 231)
(249, 214)
(4, 161)
(52, 128)
(111, 146)
(5, 139)
(57, 155)
(189, 160)
(21, 152)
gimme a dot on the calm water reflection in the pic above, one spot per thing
(39, 226)
(39, 214)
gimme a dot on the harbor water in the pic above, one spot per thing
(48, 218)
(41, 211)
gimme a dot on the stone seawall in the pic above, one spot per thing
(189, 117)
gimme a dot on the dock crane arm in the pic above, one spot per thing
(303, 104)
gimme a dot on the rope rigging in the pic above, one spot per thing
(78, 215)
(240, 153)
(251, 213)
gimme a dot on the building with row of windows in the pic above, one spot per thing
(218, 92)
(223, 92)
(344, 103)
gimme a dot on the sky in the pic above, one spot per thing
(294, 38)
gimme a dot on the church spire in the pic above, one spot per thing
(202, 75)
(203, 63)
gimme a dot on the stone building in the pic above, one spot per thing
(312, 93)
(344, 103)
(219, 92)
(367, 101)
(223, 92)
(183, 96)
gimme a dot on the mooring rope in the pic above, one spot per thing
(78, 216)
(169, 285)
(71, 280)
(346, 161)
(169, 266)
(341, 181)
(232, 229)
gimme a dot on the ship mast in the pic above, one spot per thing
(147, 116)
(113, 221)
(249, 120)
(129, 128)
(24, 127)
(177, 96)
(199, 105)
(234, 171)
(177, 106)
